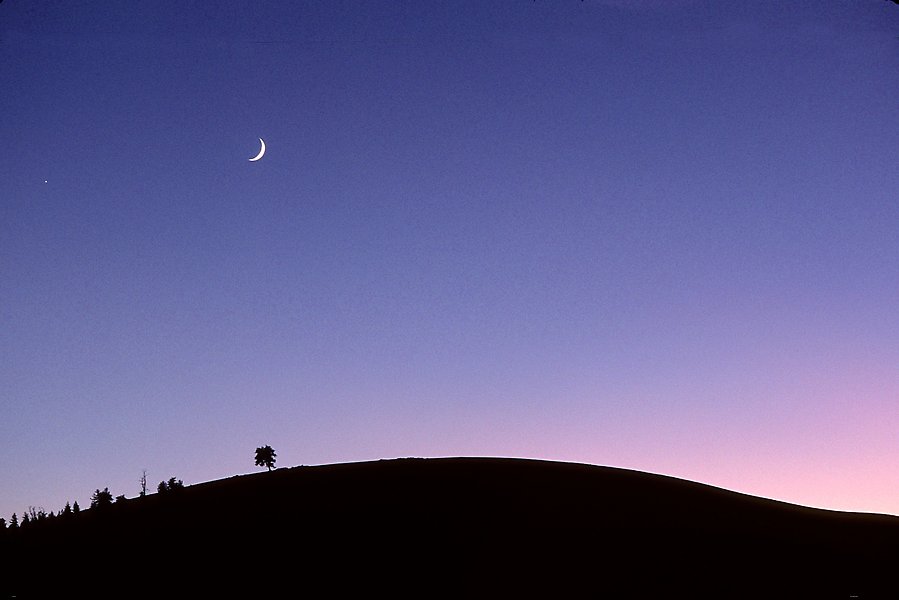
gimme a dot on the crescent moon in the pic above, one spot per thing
(261, 152)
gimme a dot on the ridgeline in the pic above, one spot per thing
(468, 527)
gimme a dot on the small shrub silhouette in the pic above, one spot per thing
(169, 486)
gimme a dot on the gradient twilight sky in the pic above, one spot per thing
(660, 235)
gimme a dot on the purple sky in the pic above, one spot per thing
(654, 235)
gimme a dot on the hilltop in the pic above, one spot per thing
(467, 526)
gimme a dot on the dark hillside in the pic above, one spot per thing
(466, 526)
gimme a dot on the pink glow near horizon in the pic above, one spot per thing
(661, 238)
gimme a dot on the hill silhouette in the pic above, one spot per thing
(462, 526)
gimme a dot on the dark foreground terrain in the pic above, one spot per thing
(465, 527)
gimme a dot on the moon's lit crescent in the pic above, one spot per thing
(261, 151)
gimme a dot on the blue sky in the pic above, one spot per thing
(660, 236)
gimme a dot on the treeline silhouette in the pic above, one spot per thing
(103, 499)
(37, 516)
(100, 499)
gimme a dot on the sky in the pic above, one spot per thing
(656, 235)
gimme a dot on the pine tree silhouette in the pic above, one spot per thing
(101, 499)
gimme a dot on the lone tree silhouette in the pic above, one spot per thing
(265, 457)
